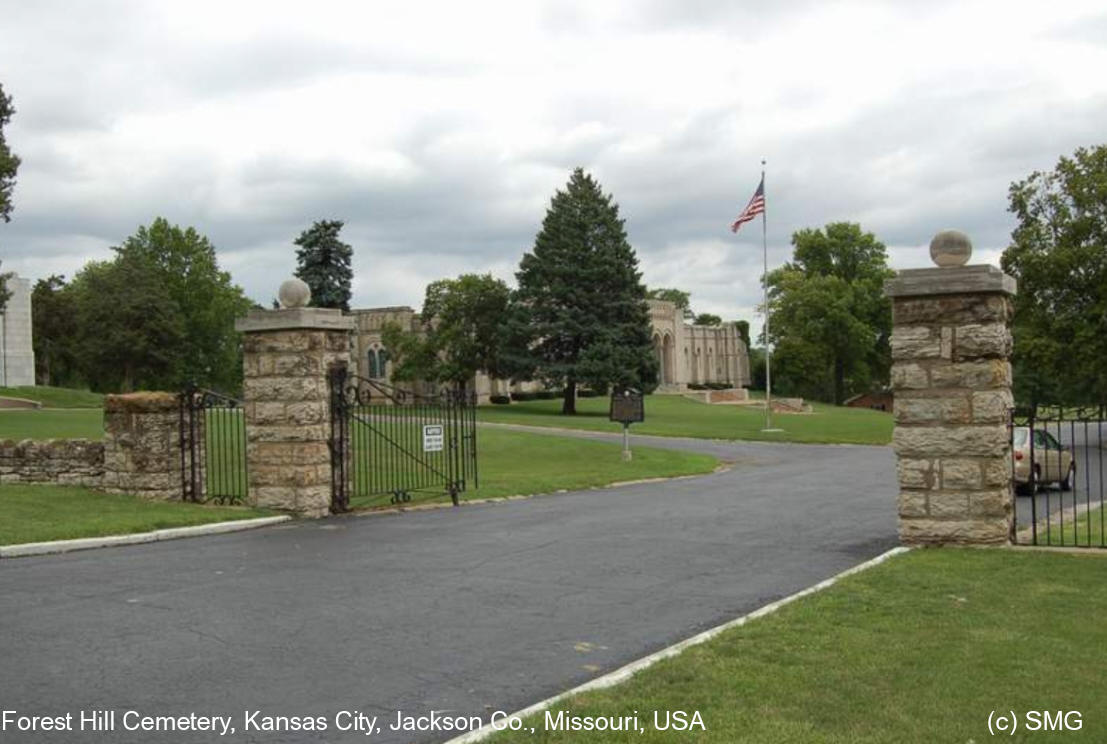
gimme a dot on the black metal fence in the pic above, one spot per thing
(1057, 467)
(213, 447)
(388, 443)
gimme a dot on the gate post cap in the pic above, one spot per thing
(950, 248)
(294, 292)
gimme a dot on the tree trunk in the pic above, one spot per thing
(569, 402)
(839, 381)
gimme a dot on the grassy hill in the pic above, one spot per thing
(54, 397)
(676, 416)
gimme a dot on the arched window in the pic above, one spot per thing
(383, 362)
(374, 365)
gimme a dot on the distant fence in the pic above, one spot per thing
(1058, 461)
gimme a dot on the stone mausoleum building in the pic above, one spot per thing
(696, 354)
(17, 356)
(686, 353)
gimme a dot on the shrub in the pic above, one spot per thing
(499, 400)
(545, 395)
(719, 385)
(696, 386)
(587, 393)
(523, 396)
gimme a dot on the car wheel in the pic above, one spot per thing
(1035, 480)
(1070, 479)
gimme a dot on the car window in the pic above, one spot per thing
(1050, 441)
(1020, 437)
(1039, 440)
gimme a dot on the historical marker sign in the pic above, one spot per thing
(627, 406)
(433, 438)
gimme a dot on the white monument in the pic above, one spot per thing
(17, 355)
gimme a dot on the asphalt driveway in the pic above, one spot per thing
(469, 610)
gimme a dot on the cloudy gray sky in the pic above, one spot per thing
(439, 131)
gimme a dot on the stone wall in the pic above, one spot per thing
(732, 396)
(952, 384)
(61, 462)
(140, 453)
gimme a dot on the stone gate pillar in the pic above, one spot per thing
(286, 355)
(951, 377)
(142, 445)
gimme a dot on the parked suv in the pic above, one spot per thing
(1052, 462)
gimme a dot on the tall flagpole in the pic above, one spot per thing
(765, 295)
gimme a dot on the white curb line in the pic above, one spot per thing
(624, 673)
(172, 533)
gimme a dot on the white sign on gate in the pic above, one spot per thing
(432, 438)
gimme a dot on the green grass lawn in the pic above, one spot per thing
(517, 463)
(666, 415)
(919, 649)
(1058, 531)
(510, 463)
(37, 513)
(55, 397)
(52, 423)
(676, 416)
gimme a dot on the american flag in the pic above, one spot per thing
(754, 208)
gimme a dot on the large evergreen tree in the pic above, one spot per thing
(580, 313)
(323, 262)
(1058, 254)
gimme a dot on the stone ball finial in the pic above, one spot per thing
(294, 293)
(950, 248)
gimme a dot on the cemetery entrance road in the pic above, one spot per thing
(469, 610)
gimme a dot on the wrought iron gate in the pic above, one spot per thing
(213, 447)
(1058, 460)
(388, 442)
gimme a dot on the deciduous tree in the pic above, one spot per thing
(5, 293)
(9, 162)
(208, 302)
(130, 332)
(1058, 255)
(579, 314)
(830, 320)
(680, 298)
(743, 327)
(54, 321)
(461, 332)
